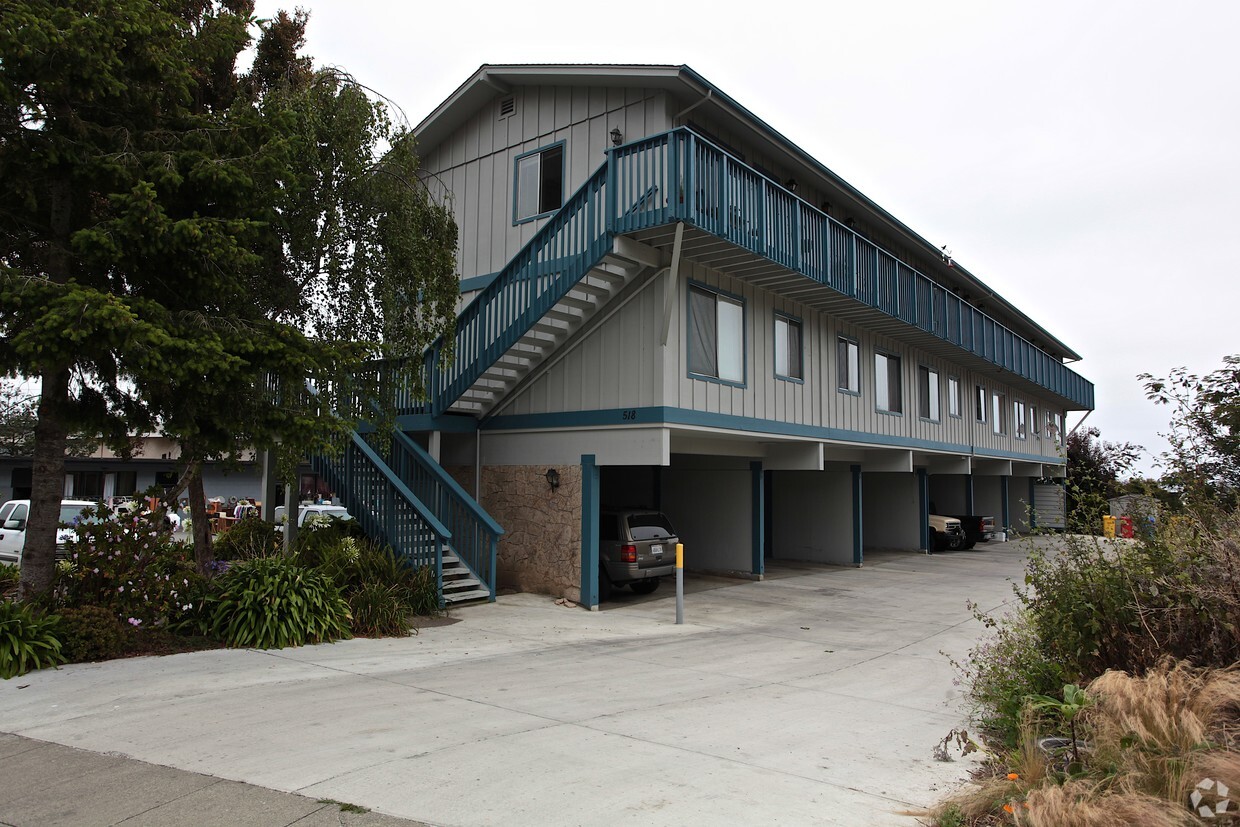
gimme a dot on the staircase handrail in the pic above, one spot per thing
(446, 479)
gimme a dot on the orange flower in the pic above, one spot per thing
(1012, 776)
(1007, 808)
(1026, 804)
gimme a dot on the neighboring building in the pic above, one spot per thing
(155, 462)
(668, 304)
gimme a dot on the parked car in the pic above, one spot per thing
(977, 528)
(636, 548)
(946, 532)
(311, 512)
(13, 517)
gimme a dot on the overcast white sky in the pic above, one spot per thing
(1079, 157)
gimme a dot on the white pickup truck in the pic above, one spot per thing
(13, 517)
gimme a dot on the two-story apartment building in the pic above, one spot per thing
(667, 304)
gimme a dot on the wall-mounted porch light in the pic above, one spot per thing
(616, 137)
(553, 478)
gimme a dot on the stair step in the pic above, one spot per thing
(580, 304)
(596, 290)
(461, 597)
(461, 583)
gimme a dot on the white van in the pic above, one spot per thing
(306, 512)
(13, 517)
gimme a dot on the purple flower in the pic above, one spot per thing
(133, 621)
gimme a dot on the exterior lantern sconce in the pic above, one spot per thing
(616, 137)
(553, 478)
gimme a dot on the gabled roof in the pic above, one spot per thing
(499, 79)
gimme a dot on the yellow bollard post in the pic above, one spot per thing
(680, 583)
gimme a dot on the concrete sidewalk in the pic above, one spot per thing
(813, 697)
(48, 784)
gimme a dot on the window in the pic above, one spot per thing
(998, 409)
(788, 347)
(927, 393)
(887, 383)
(1034, 428)
(981, 404)
(953, 396)
(1054, 427)
(540, 183)
(716, 335)
(1018, 419)
(848, 363)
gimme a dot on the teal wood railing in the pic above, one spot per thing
(475, 535)
(384, 505)
(680, 176)
(561, 252)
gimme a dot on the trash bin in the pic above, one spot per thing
(1125, 528)
(1108, 526)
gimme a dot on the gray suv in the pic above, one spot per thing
(636, 547)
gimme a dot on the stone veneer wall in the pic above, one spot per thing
(541, 547)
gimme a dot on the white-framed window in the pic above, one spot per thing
(980, 405)
(788, 362)
(887, 395)
(1018, 419)
(1054, 427)
(716, 335)
(953, 396)
(927, 393)
(998, 410)
(539, 183)
(1035, 429)
(848, 365)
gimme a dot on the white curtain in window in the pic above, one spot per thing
(702, 339)
(731, 340)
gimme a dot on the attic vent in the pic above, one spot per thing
(507, 106)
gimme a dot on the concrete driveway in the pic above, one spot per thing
(813, 697)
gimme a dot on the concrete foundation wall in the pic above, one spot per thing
(890, 516)
(812, 516)
(541, 547)
(711, 510)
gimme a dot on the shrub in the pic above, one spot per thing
(130, 566)
(1004, 669)
(249, 538)
(27, 640)
(10, 576)
(379, 610)
(271, 603)
(90, 633)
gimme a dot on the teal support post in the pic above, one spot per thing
(856, 515)
(923, 502)
(757, 503)
(1003, 495)
(589, 531)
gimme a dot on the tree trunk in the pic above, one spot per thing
(202, 526)
(47, 488)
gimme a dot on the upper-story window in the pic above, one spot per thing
(848, 365)
(887, 395)
(788, 347)
(998, 407)
(539, 183)
(716, 335)
(980, 405)
(1018, 419)
(1035, 429)
(953, 396)
(927, 393)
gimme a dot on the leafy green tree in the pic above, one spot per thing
(1095, 467)
(18, 419)
(185, 246)
(1204, 460)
